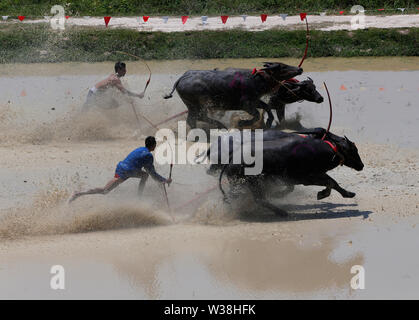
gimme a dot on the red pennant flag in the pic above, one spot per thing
(107, 19)
(145, 18)
(23, 93)
(303, 15)
(342, 87)
(184, 19)
(224, 19)
(263, 17)
(340, 12)
(21, 18)
(67, 17)
(381, 89)
(380, 9)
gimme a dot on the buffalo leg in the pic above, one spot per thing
(283, 193)
(326, 181)
(268, 110)
(204, 117)
(233, 174)
(258, 194)
(253, 112)
(191, 119)
(193, 110)
(280, 113)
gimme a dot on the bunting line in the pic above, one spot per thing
(224, 18)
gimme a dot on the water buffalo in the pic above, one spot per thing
(290, 91)
(235, 139)
(297, 159)
(293, 91)
(230, 89)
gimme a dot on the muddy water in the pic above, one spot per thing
(120, 247)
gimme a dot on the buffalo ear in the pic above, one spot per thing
(311, 80)
(270, 65)
(349, 141)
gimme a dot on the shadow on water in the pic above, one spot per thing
(324, 210)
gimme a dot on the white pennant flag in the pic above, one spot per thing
(323, 13)
(244, 17)
(204, 19)
(401, 9)
(5, 17)
(283, 16)
(165, 18)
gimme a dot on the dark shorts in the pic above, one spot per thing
(124, 174)
(98, 99)
(90, 100)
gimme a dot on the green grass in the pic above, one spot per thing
(39, 43)
(38, 8)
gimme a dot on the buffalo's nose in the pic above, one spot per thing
(320, 100)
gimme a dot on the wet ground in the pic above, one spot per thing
(117, 246)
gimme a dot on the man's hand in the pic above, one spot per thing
(140, 95)
(169, 181)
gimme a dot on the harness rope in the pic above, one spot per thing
(335, 149)
(330, 108)
(255, 71)
(281, 83)
(307, 38)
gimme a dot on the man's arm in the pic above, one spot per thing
(121, 88)
(149, 168)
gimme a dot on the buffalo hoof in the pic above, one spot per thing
(323, 194)
(349, 194)
(212, 172)
(245, 123)
(226, 200)
(280, 212)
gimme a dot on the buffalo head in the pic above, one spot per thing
(308, 91)
(281, 71)
(293, 91)
(350, 153)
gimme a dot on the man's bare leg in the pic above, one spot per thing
(112, 184)
(143, 179)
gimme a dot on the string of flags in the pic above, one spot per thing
(224, 18)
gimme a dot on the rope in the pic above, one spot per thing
(330, 107)
(172, 117)
(199, 195)
(305, 51)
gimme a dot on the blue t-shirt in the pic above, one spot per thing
(136, 160)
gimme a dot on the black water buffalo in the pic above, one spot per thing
(230, 89)
(294, 160)
(292, 91)
(233, 140)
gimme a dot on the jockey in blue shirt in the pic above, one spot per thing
(138, 164)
